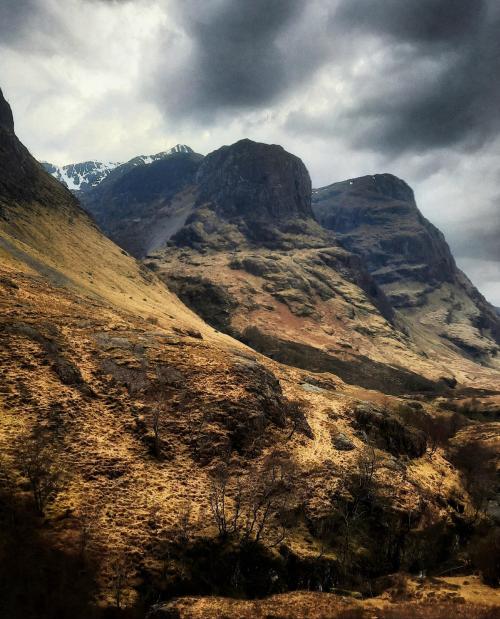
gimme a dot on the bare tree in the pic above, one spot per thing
(267, 498)
(38, 463)
(220, 488)
(251, 506)
(355, 493)
(295, 411)
(477, 463)
(121, 570)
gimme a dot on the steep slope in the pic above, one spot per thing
(377, 218)
(134, 417)
(134, 205)
(44, 231)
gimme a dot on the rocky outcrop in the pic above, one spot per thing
(376, 217)
(252, 192)
(387, 432)
(254, 181)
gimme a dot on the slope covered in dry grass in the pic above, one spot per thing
(124, 419)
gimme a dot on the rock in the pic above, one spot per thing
(67, 371)
(449, 381)
(376, 217)
(343, 443)
(256, 265)
(255, 181)
(389, 433)
(210, 301)
(312, 388)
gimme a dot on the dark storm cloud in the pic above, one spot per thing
(422, 21)
(239, 56)
(14, 18)
(439, 85)
(237, 60)
(456, 101)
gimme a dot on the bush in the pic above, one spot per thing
(484, 551)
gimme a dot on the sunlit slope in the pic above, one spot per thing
(43, 230)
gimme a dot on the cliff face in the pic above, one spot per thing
(255, 181)
(377, 218)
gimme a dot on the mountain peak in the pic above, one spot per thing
(6, 117)
(179, 148)
(255, 181)
(386, 186)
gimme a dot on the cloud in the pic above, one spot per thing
(422, 75)
(352, 86)
(227, 57)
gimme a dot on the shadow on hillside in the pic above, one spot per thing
(38, 581)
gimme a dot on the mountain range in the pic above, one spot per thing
(89, 174)
(223, 210)
(217, 381)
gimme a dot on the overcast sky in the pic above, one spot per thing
(353, 87)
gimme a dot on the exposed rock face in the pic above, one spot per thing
(387, 432)
(255, 181)
(378, 218)
(252, 192)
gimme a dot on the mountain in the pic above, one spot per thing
(146, 455)
(377, 218)
(81, 177)
(134, 205)
(247, 209)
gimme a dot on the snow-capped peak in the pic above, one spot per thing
(81, 176)
(87, 175)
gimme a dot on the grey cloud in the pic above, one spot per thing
(14, 18)
(457, 104)
(240, 57)
(421, 21)
(38, 25)
(439, 85)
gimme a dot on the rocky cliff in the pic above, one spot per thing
(377, 218)
(249, 180)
